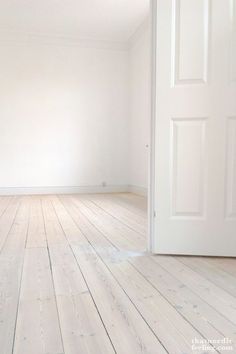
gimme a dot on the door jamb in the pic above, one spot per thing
(152, 179)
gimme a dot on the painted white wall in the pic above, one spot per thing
(63, 115)
(139, 70)
(73, 115)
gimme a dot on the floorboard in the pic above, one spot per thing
(75, 278)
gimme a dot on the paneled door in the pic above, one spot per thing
(194, 140)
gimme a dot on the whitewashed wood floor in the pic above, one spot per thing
(75, 279)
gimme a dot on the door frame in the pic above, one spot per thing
(153, 117)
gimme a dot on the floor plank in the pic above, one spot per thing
(7, 219)
(157, 312)
(11, 263)
(211, 272)
(120, 234)
(221, 300)
(4, 202)
(36, 233)
(127, 217)
(75, 277)
(82, 328)
(120, 316)
(201, 315)
(38, 328)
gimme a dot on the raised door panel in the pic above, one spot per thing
(188, 167)
(231, 169)
(190, 37)
(233, 42)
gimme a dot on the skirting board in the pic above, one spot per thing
(138, 190)
(63, 190)
(72, 190)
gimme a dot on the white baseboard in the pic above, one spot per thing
(138, 190)
(63, 190)
(73, 190)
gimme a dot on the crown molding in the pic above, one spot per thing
(145, 26)
(9, 36)
(33, 38)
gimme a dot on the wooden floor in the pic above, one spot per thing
(75, 279)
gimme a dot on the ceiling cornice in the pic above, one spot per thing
(30, 38)
(145, 26)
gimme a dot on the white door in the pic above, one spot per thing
(195, 128)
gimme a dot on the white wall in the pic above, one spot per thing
(63, 116)
(73, 116)
(139, 68)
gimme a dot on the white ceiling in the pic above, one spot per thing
(111, 20)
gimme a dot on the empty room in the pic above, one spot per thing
(117, 176)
